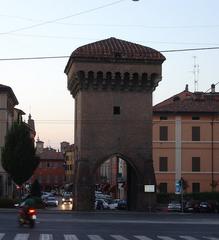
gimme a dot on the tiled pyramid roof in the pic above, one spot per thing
(113, 49)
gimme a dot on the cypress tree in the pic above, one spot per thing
(18, 154)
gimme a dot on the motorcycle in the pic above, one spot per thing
(27, 217)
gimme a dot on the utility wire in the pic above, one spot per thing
(62, 18)
(191, 49)
(60, 57)
(115, 25)
(95, 39)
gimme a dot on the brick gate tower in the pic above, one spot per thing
(112, 83)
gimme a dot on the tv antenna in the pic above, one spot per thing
(195, 74)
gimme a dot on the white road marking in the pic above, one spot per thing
(118, 237)
(165, 238)
(142, 237)
(46, 237)
(70, 237)
(22, 236)
(95, 237)
(211, 238)
(188, 237)
(1, 235)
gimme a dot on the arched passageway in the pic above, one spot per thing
(116, 178)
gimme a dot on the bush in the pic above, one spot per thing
(202, 196)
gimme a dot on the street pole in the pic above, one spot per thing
(182, 207)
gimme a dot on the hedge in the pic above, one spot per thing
(9, 203)
(202, 196)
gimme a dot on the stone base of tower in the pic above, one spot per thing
(84, 199)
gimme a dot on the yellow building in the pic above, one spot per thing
(69, 155)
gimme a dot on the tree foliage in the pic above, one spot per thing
(18, 154)
(35, 189)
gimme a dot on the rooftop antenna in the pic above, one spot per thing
(195, 74)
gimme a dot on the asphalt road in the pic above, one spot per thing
(58, 225)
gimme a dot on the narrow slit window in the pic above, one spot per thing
(116, 110)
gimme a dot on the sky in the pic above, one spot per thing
(52, 28)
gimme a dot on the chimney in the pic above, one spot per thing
(212, 88)
(187, 88)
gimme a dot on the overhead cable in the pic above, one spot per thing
(62, 18)
(60, 57)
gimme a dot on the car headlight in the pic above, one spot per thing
(63, 199)
(70, 199)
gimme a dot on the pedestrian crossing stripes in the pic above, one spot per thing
(2, 235)
(165, 238)
(95, 237)
(142, 237)
(118, 237)
(45, 236)
(22, 236)
(210, 238)
(70, 237)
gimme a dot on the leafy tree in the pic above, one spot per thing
(35, 189)
(18, 154)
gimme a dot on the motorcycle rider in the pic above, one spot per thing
(28, 203)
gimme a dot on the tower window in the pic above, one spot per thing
(116, 110)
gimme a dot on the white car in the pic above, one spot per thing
(51, 201)
(174, 206)
(114, 204)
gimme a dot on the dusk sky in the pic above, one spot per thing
(52, 28)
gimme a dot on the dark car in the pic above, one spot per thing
(192, 206)
(206, 207)
(67, 199)
(122, 205)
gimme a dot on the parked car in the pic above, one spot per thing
(174, 206)
(101, 204)
(122, 205)
(45, 195)
(51, 201)
(67, 198)
(191, 206)
(206, 207)
(113, 204)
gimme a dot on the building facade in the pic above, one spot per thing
(68, 151)
(8, 101)
(186, 141)
(51, 170)
(8, 115)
